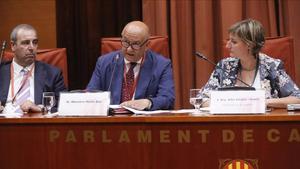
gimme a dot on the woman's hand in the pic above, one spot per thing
(282, 102)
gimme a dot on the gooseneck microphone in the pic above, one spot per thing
(2, 51)
(113, 71)
(248, 87)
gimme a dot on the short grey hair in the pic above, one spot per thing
(251, 32)
(14, 32)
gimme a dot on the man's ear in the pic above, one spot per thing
(13, 45)
(147, 44)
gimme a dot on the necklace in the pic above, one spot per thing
(249, 70)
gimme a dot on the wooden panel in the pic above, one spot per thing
(146, 142)
(40, 14)
(275, 116)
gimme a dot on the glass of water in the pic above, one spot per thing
(48, 101)
(196, 99)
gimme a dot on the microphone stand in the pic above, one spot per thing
(247, 87)
(2, 51)
(113, 71)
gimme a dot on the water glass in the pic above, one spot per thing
(196, 99)
(48, 101)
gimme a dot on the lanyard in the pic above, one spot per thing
(12, 79)
(132, 89)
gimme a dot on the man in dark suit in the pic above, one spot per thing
(23, 80)
(151, 85)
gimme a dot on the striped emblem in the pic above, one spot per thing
(238, 164)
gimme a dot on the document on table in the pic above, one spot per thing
(146, 112)
(11, 115)
(142, 112)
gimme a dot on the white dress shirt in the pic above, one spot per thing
(17, 75)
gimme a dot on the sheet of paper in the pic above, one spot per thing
(146, 112)
(141, 112)
(115, 106)
(184, 111)
(11, 115)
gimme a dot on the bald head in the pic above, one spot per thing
(134, 41)
(136, 28)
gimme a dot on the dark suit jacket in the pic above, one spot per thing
(47, 78)
(155, 79)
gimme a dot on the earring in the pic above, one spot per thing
(248, 49)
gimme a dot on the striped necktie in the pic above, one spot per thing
(24, 93)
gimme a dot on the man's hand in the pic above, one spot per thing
(28, 106)
(140, 104)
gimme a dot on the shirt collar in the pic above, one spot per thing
(18, 68)
(128, 62)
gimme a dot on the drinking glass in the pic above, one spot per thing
(48, 101)
(196, 99)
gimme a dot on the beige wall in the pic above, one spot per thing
(39, 13)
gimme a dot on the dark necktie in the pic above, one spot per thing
(128, 84)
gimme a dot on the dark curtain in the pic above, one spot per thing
(81, 24)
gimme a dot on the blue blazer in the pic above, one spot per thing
(155, 79)
(46, 78)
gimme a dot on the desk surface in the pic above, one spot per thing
(275, 115)
(177, 141)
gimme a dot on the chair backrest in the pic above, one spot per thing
(56, 57)
(280, 48)
(158, 44)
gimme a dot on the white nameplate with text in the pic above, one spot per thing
(237, 102)
(84, 104)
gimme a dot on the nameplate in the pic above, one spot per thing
(237, 102)
(84, 104)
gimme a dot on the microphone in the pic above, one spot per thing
(2, 51)
(248, 87)
(113, 71)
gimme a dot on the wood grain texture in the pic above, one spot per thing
(41, 14)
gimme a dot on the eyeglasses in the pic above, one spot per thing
(134, 45)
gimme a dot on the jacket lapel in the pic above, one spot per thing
(231, 73)
(145, 76)
(116, 84)
(263, 69)
(266, 80)
(39, 81)
(4, 82)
